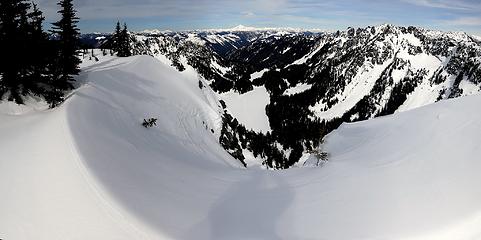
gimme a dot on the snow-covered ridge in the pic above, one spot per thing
(444, 62)
(100, 175)
(242, 28)
(456, 35)
(238, 28)
(154, 31)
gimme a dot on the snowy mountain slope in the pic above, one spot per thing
(89, 170)
(56, 171)
(374, 61)
(383, 59)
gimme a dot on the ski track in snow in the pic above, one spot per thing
(89, 170)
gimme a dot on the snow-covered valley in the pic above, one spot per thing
(89, 170)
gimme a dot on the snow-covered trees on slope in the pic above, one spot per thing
(32, 63)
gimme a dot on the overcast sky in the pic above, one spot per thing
(100, 15)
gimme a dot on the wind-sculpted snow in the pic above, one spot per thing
(89, 170)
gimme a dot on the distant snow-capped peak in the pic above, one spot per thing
(242, 28)
(154, 31)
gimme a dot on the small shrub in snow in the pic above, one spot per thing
(148, 123)
(321, 155)
(317, 158)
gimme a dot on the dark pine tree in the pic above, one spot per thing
(116, 38)
(14, 41)
(41, 53)
(124, 43)
(68, 46)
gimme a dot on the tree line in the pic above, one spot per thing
(36, 62)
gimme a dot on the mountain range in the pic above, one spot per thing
(308, 82)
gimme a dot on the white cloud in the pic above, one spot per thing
(447, 4)
(248, 14)
(108, 9)
(465, 21)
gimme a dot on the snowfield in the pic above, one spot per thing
(249, 108)
(89, 170)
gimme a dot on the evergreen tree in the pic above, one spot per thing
(13, 45)
(121, 41)
(125, 42)
(116, 38)
(34, 64)
(68, 46)
(40, 55)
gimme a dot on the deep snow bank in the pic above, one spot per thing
(88, 170)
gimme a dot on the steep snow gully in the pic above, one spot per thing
(89, 170)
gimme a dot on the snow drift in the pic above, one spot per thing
(89, 170)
